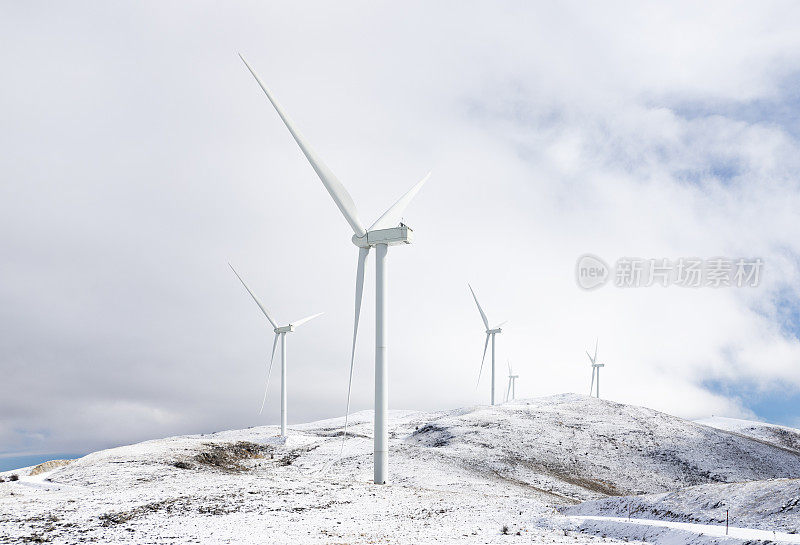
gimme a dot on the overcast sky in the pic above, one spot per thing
(139, 156)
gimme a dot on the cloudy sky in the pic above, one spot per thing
(139, 157)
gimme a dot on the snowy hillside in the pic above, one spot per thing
(474, 475)
(778, 435)
(771, 504)
(578, 447)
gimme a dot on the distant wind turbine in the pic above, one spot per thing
(386, 231)
(512, 382)
(595, 369)
(279, 332)
(489, 333)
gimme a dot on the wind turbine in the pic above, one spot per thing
(595, 368)
(489, 333)
(279, 332)
(512, 382)
(386, 231)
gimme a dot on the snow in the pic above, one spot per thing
(770, 505)
(617, 526)
(772, 433)
(456, 476)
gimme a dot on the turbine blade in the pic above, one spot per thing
(269, 373)
(306, 319)
(253, 295)
(589, 356)
(592, 386)
(391, 218)
(595, 350)
(508, 390)
(509, 369)
(501, 324)
(483, 315)
(340, 195)
(485, 346)
(362, 259)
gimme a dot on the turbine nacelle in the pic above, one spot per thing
(285, 329)
(495, 330)
(402, 234)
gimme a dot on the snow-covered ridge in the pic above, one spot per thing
(457, 476)
(779, 435)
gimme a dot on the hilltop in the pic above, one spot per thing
(471, 475)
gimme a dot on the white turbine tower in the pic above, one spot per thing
(595, 369)
(279, 332)
(489, 333)
(386, 231)
(512, 383)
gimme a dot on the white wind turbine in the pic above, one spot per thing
(386, 231)
(512, 383)
(595, 369)
(279, 332)
(489, 333)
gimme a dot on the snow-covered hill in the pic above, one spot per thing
(578, 447)
(772, 433)
(474, 475)
(771, 505)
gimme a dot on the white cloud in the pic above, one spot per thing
(141, 157)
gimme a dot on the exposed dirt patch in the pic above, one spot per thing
(48, 466)
(230, 455)
(559, 498)
(571, 476)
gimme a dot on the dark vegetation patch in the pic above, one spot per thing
(688, 472)
(786, 438)
(289, 458)
(431, 435)
(35, 538)
(790, 505)
(427, 513)
(172, 505)
(338, 432)
(220, 509)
